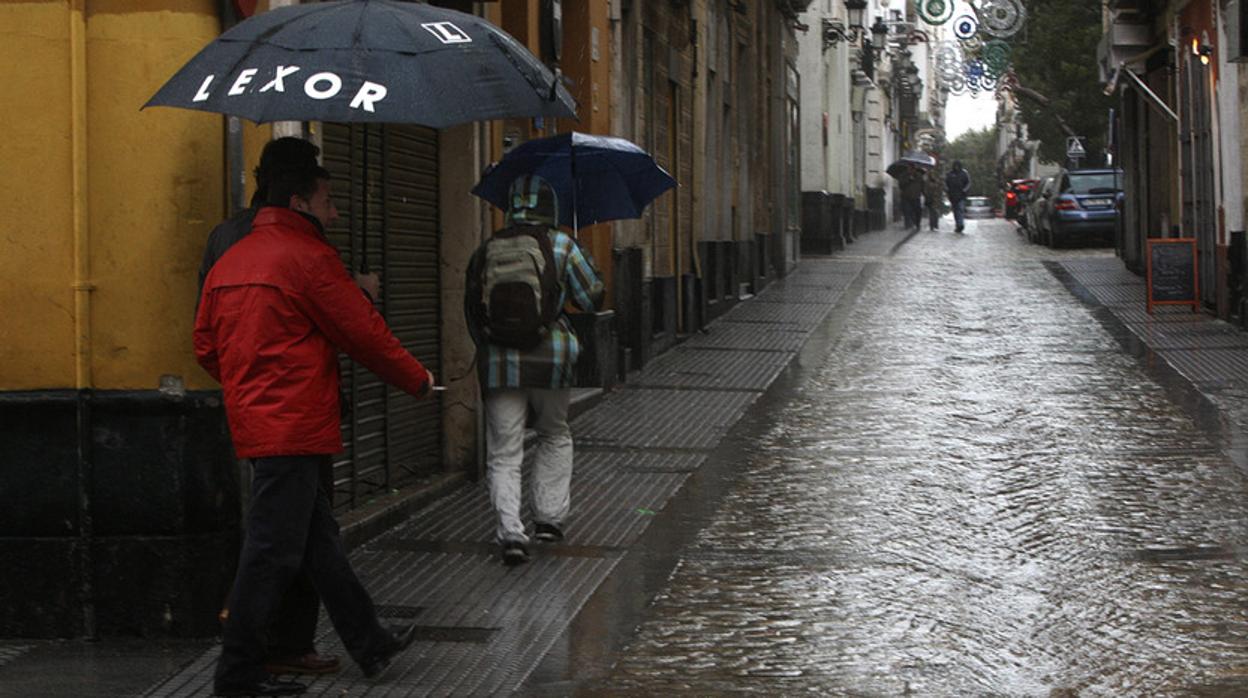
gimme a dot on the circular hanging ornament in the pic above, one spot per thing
(996, 57)
(974, 69)
(957, 85)
(1002, 18)
(948, 59)
(935, 11)
(965, 27)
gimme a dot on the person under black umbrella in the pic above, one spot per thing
(275, 311)
(911, 181)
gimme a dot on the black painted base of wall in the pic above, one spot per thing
(646, 322)
(120, 513)
(595, 368)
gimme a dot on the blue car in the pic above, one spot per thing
(1084, 207)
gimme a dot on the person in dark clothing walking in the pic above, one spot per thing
(912, 197)
(933, 198)
(275, 310)
(958, 185)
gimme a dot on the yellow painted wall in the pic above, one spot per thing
(36, 251)
(154, 187)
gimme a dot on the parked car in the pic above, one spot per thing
(1083, 207)
(1016, 197)
(1037, 213)
(978, 207)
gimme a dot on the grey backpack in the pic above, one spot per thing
(519, 286)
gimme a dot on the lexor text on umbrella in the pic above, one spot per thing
(323, 85)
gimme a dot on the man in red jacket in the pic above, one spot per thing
(274, 313)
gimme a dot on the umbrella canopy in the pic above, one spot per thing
(597, 178)
(923, 161)
(367, 61)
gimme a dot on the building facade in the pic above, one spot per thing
(120, 495)
(1178, 72)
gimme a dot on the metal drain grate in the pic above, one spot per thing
(646, 418)
(805, 315)
(725, 370)
(748, 336)
(387, 610)
(435, 633)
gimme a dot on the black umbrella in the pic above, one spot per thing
(367, 61)
(923, 161)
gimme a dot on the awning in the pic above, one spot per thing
(1149, 96)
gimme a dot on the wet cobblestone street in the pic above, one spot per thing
(976, 492)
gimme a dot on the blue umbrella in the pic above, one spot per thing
(597, 178)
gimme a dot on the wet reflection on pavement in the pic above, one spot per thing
(977, 493)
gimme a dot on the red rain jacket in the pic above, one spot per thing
(275, 311)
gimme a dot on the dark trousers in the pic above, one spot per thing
(912, 211)
(292, 632)
(933, 217)
(290, 527)
(959, 214)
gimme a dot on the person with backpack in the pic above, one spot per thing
(958, 185)
(516, 286)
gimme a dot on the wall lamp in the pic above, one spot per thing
(1201, 48)
(835, 31)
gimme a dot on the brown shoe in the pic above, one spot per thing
(310, 663)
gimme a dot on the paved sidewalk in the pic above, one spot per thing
(1207, 355)
(485, 627)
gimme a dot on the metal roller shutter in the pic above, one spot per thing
(391, 438)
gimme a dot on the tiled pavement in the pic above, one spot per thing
(1209, 354)
(485, 627)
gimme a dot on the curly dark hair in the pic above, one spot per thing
(293, 162)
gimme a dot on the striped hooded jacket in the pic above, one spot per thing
(550, 364)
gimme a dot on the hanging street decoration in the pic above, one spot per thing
(965, 27)
(980, 58)
(935, 11)
(1002, 18)
(996, 55)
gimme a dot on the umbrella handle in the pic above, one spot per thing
(554, 86)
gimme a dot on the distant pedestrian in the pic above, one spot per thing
(275, 311)
(933, 198)
(912, 196)
(958, 186)
(291, 640)
(516, 286)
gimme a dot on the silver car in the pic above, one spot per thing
(978, 207)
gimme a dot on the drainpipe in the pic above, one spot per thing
(236, 182)
(82, 288)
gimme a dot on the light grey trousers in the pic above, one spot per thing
(505, 414)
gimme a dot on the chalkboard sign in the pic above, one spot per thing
(1172, 278)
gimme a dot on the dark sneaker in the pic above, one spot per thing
(514, 553)
(376, 667)
(268, 687)
(547, 533)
